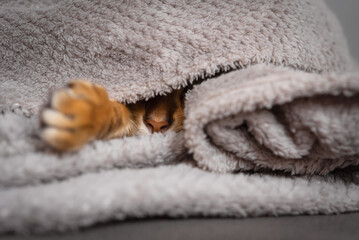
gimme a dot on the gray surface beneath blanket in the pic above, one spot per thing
(320, 227)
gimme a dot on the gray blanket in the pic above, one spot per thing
(271, 131)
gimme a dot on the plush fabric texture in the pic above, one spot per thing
(138, 49)
(275, 118)
(272, 130)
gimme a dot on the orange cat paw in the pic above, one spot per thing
(75, 115)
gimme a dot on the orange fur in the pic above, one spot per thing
(82, 112)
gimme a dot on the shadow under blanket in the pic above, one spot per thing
(272, 130)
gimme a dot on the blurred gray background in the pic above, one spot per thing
(347, 12)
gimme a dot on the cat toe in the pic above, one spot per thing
(62, 139)
(51, 117)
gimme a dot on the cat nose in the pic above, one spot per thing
(157, 126)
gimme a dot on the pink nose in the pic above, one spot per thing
(157, 126)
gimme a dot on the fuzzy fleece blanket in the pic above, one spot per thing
(273, 130)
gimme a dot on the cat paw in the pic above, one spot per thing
(74, 115)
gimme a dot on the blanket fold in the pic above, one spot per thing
(274, 118)
(25, 160)
(271, 129)
(174, 191)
